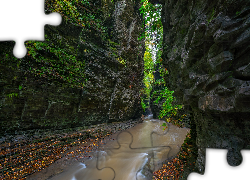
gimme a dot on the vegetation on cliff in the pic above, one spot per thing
(54, 63)
(56, 84)
(154, 73)
(57, 60)
(156, 90)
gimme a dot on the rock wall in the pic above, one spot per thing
(206, 51)
(113, 74)
(114, 80)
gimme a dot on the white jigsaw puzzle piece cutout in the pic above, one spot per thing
(217, 167)
(23, 20)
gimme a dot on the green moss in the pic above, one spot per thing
(211, 16)
(183, 31)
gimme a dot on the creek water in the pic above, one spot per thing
(125, 156)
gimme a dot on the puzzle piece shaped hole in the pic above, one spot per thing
(217, 167)
(28, 20)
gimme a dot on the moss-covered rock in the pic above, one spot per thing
(88, 71)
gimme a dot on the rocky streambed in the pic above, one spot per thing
(72, 154)
(39, 154)
(133, 153)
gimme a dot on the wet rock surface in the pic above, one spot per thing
(206, 51)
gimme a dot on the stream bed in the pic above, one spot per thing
(126, 154)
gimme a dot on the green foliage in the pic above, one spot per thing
(211, 16)
(143, 105)
(154, 38)
(78, 12)
(152, 16)
(167, 107)
(153, 34)
(113, 52)
(148, 76)
(55, 60)
(183, 31)
(164, 125)
(148, 71)
(165, 100)
(61, 66)
(11, 95)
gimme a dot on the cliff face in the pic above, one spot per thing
(103, 53)
(206, 51)
(114, 73)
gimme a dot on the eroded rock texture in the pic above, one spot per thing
(114, 80)
(207, 53)
(113, 68)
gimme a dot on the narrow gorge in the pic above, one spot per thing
(113, 64)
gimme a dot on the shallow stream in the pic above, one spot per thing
(146, 144)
